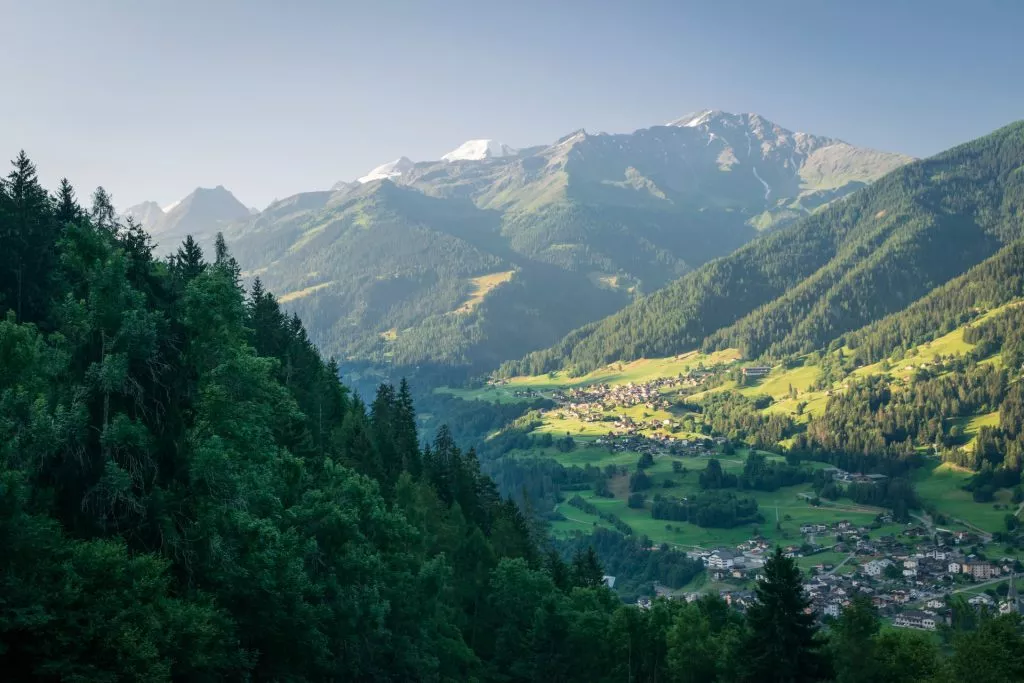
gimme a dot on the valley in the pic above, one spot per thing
(490, 366)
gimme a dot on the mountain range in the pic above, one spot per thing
(491, 252)
(801, 288)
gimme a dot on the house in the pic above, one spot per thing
(915, 619)
(981, 600)
(953, 567)
(833, 609)
(876, 567)
(722, 559)
(609, 581)
(935, 603)
(756, 371)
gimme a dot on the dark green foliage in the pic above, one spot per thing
(716, 509)
(632, 565)
(189, 493)
(781, 643)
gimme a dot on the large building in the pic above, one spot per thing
(914, 619)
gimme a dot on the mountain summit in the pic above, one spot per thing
(392, 169)
(474, 150)
(203, 213)
(147, 214)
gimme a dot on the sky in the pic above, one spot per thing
(151, 99)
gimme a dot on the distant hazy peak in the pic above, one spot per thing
(392, 169)
(475, 150)
(147, 214)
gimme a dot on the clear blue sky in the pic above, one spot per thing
(152, 99)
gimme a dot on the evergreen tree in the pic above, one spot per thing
(103, 214)
(586, 569)
(188, 261)
(782, 644)
(67, 208)
(852, 642)
(28, 234)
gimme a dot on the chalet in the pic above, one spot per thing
(756, 371)
(915, 619)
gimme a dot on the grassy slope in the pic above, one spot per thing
(937, 484)
(638, 371)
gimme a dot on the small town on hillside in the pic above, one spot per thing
(909, 578)
(909, 586)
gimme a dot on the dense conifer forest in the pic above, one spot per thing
(189, 493)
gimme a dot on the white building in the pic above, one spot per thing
(913, 619)
(876, 567)
(722, 559)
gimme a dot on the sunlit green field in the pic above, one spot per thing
(940, 484)
(638, 371)
(788, 507)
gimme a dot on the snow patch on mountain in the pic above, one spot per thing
(767, 187)
(475, 150)
(392, 169)
(692, 120)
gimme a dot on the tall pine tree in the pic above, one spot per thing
(782, 644)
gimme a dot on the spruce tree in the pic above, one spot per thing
(67, 208)
(188, 261)
(224, 259)
(782, 644)
(586, 569)
(28, 236)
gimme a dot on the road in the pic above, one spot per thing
(976, 586)
(838, 566)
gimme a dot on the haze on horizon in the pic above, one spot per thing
(151, 100)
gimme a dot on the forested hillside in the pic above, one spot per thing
(188, 493)
(797, 289)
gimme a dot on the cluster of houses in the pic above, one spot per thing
(907, 585)
(611, 396)
(845, 477)
(656, 444)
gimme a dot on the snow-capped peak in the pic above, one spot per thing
(474, 150)
(697, 118)
(169, 207)
(392, 169)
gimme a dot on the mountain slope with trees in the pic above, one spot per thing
(800, 287)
